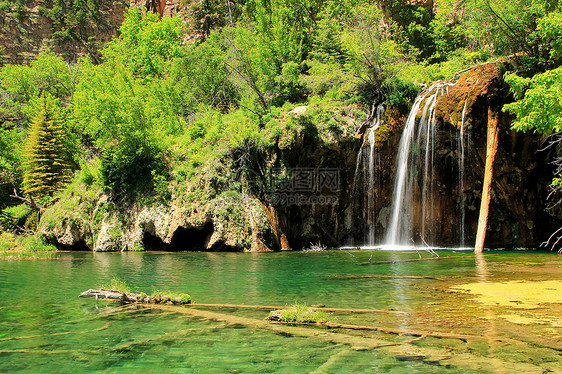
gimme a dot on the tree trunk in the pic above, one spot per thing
(491, 149)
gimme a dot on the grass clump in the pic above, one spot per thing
(31, 247)
(117, 284)
(299, 313)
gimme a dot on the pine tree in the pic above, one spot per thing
(46, 165)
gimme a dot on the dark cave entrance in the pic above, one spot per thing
(78, 246)
(153, 243)
(192, 239)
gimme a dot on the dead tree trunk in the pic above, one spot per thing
(491, 149)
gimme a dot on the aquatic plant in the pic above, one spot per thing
(117, 284)
(299, 313)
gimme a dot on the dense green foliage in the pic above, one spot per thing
(154, 117)
(25, 247)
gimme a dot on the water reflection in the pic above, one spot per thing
(47, 290)
(491, 334)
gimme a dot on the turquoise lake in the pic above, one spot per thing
(46, 328)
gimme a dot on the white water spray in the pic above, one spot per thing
(409, 166)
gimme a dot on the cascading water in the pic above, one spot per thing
(410, 164)
(367, 157)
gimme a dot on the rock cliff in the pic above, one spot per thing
(27, 26)
(308, 188)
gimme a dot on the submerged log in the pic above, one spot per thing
(325, 309)
(351, 276)
(128, 297)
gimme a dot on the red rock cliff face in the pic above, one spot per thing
(24, 34)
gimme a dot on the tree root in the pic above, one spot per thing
(104, 327)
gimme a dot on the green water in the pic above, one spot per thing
(45, 327)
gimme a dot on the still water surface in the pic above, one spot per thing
(45, 327)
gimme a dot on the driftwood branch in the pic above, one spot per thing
(31, 203)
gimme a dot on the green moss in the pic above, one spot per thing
(173, 297)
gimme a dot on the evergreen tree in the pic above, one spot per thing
(46, 163)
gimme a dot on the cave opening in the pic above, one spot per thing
(192, 239)
(78, 246)
(153, 243)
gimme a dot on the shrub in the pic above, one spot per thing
(36, 243)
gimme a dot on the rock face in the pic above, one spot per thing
(93, 221)
(518, 211)
(29, 28)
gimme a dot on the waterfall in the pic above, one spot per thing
(367, 158)
(410, 163)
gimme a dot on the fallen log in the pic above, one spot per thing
(104, 327)
(414, 260)
(379, 276)
(325, 309)
(468, 360)
(129, 297)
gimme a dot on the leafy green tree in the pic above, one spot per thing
(47, 164)
(127, 122)
(146, 44)
(374, 58)
(11, 140)
(20, 84)
(539, 104)
(131, 104)
(539, 99)
(504, 26)
(202, 77)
